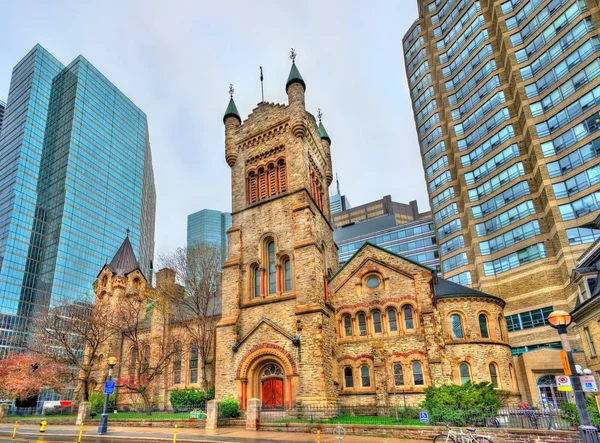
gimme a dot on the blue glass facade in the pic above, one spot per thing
(75, 174)
(209, 226)
(2, 109)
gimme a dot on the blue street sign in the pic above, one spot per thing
(424, 417)
(109, 387)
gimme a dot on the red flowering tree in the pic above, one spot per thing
(24, 375)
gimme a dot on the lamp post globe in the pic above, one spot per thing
(103, 426)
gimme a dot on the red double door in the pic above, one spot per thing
(272, 393)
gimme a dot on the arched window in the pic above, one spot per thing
(272, 176)
(177, 363)
(417, 370)
(392, 320)
(376, 322)
(398, 375)
(348, 378)
(282, 175)
(494, 375)
(262, 184)
(365, 376)
(408, 318)
(347, 326)
(501, 326)
(272, 269)
(252, 186)
(456, 326)
(465, 373)
(256, 281)
(194, 364)
(287, 275)
(362, 324)
(483, 326)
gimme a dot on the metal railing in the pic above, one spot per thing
(400, 416)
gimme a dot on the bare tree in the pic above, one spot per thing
(147, 357)
(72, 334)
(197, 296)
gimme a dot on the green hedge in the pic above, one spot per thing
(190, 397)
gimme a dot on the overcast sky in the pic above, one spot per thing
(175, 60)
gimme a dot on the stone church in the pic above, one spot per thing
(297, 328)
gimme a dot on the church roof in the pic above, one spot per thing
(294, 77)
(447, 289)
(124, 261)
(323, 132)
(232, 111)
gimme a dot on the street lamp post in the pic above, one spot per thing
(103, 426)
(560, 320)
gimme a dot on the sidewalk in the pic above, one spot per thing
(220, 435)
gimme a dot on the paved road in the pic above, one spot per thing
(68, 434)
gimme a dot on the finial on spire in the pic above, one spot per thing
(319, 114)
(231, 90)
(262, 91)
(293, 55)
(127, 232)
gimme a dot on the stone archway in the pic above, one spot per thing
(269, 373)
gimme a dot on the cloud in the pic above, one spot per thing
(175, 60)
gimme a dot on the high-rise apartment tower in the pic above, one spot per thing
(75, 176)
(505, 96)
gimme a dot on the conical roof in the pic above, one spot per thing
(232, 111)
(124, 261)
(323, 132)
(294, 77)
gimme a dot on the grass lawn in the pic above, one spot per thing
(358, 420)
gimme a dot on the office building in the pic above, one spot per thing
(76, 176)
(505, 97)
(338, 202)
(2, 110)
(403, 212)
(413, 239)
(209, 226)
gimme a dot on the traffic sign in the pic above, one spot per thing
(424, 417)
(109, 387)
(588, 383)
(564, 359)
(563, 383)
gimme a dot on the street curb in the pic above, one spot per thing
(108, 436)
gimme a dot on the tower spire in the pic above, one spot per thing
(294, 76)
(231, 110)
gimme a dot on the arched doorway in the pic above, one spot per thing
(272, 386)
(550, 396)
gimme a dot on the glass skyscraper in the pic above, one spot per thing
(75, 176)
(209, 226)
(2, 109)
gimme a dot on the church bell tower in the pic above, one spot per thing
(275, 341)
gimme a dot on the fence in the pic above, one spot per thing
(122, 413)
(391, 415)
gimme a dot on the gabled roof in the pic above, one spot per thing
(381, 249)
(124, 261)
(447, 289)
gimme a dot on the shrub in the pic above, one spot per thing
(188, 397)
(229, 408)
(462, 404)
(96, 401)
(569, 411)
(49, 411)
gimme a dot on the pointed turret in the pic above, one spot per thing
(232, 121)
(323, 132)
(294, 77)
(232, 111)
(124, 262)
(295, 88)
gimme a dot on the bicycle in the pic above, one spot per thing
(454, 437)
